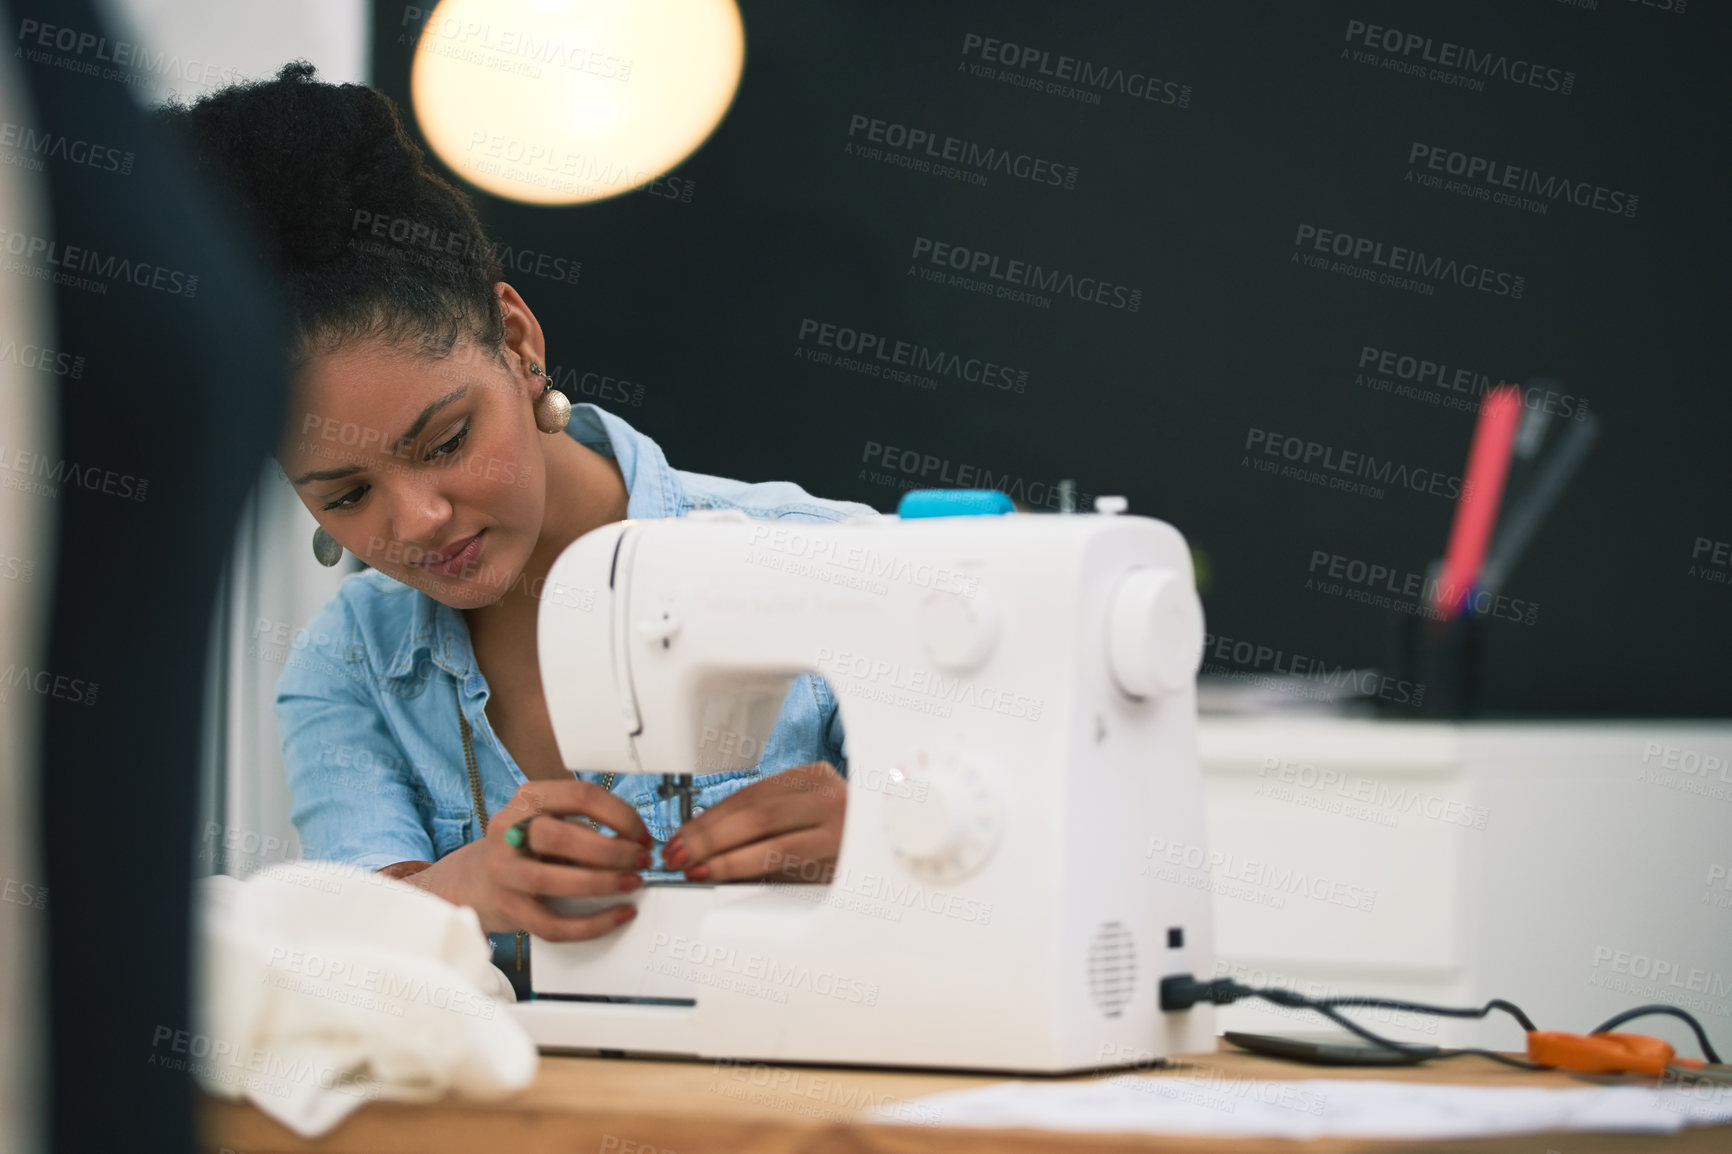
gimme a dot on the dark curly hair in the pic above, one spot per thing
(375, 244)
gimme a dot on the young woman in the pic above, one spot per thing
(426, 439)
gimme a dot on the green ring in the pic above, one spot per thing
(514, 837)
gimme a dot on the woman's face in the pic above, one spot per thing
(428, 469)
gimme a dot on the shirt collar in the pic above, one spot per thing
(652, 490)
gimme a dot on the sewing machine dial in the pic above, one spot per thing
(941, 815)
(1155, 633)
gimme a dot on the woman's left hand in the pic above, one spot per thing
(787, 826)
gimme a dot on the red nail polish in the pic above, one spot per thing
(626, 912)
(674, 855)
(629, 882)
(698, 873)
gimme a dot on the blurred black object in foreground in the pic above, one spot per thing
(162, 435)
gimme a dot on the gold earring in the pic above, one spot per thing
(326, 551)
(552, 407)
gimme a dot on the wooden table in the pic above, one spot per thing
(630, 1106)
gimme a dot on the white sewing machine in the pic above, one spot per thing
(1018, 693)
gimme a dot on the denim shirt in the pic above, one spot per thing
(369, 707)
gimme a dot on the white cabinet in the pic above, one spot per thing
(1574, 869)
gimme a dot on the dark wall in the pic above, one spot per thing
(1212, 339)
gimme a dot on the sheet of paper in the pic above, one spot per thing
(1204, 1104)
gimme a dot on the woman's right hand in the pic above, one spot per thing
(508, 887)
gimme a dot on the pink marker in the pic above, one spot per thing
(1481, 494)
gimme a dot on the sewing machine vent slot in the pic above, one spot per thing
(1112, 968)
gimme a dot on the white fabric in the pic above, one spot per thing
(324, 986)
(1225, 1105)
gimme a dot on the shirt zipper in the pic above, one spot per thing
(476, 797)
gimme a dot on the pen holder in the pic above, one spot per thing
(1438, 660)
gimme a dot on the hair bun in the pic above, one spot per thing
(318, 165)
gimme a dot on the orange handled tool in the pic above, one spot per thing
(1604, 1053)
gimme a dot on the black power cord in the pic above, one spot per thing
(1182, 991)
(1674, 1011)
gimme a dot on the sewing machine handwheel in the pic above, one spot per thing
(1154, 633)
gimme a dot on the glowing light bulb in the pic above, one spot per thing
(566, 101)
